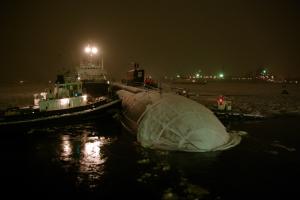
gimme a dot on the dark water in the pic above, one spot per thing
(100, 160)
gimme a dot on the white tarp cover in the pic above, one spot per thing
(173, 122)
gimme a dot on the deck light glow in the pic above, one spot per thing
(64, 101)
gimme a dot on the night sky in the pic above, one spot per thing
(39, 38)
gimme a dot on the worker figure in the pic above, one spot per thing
(221, 102)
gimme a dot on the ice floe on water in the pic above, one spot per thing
(248, 97)
(276, 144)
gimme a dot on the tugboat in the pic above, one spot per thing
(67, 101)
(91, 72)
(64, 103)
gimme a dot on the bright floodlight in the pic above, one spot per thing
(87, 49)
(94, 50)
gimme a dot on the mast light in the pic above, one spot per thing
(94, 50)
(87, 49)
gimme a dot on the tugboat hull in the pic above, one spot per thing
(66, 116)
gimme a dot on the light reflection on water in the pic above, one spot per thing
(91, 158)
(88, 159)
(84, 152)
(66, 148)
